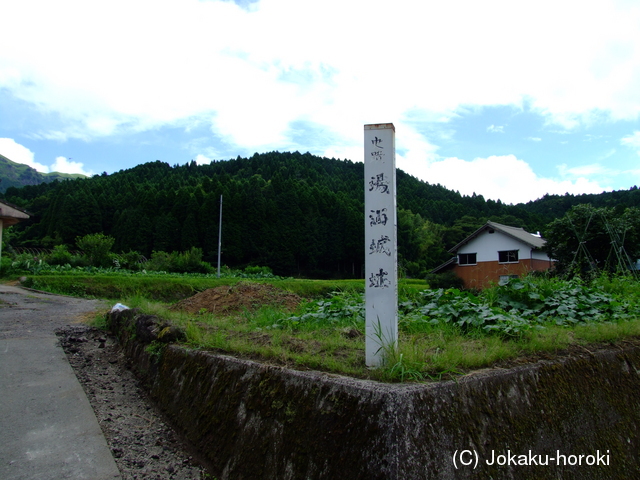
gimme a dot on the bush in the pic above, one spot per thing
(444, 280)
(5, 266)
(129, 261)
(59, 256)
(189, 261)
(22, 263)
(260, 271)
(96, 247)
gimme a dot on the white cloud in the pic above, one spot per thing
(353, 153)
(65, 165)
(504, 178)
(20, 154)
(592, 170)
(253, 71)
(607, 154)
(259, 69)
(632, 141)
(202, 160)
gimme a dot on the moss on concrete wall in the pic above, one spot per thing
(259, 421)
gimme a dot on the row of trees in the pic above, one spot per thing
(296, 213)
(95, 250)
(589, 240)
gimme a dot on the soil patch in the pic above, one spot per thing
(228, 300)
(143, 442)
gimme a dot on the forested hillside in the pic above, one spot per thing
(296, 213)
(14, 174)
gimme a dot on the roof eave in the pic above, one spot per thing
(495, 226)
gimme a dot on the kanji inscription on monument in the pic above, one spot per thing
(381, 264)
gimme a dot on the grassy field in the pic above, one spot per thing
(442, 333)
(171, 288)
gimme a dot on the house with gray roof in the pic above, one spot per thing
(495, 253)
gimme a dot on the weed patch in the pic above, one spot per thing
(442, 332)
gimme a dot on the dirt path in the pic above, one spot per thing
(142, 442)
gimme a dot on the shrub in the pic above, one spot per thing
(129, 261)
(96, 247)
(189, 261)
(23, 263)
(5, 266)
(160, 262)
(260, 271)
(59, 256)
(444, 280)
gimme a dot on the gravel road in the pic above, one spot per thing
(142, 441)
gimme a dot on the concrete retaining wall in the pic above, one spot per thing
(259, 421)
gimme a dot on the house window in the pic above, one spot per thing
(508, 256)
(467, 259)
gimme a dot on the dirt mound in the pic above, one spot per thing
(241, 296)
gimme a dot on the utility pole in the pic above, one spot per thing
(220, 237)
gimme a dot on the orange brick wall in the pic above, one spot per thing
(481, 275)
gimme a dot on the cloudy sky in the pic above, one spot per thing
(509, 99)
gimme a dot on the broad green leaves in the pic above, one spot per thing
(508, 310)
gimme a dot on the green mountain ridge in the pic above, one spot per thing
(14, 174)
(297, 213)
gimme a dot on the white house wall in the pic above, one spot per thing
(487, 245)
(539, 255)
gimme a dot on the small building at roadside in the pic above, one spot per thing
(10, 215)
(495, 253)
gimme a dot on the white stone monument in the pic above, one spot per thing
(381, 258)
